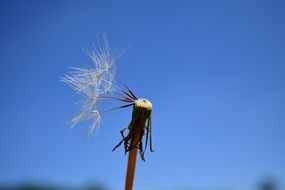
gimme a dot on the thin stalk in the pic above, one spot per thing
(131, 165)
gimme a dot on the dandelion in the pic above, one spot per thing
(99, 82)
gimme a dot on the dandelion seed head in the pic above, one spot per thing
(93, 82)
(143, 104)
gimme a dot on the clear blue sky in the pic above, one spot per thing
(214, 71)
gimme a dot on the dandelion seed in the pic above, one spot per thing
(92, 83)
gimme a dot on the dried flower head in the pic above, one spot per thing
(97, 83)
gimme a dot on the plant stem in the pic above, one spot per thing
(131, 165)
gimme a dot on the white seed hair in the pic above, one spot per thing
(93, 82)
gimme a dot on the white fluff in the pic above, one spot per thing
(93, 82)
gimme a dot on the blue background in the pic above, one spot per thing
(214, 71)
